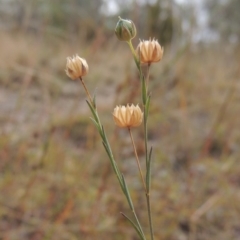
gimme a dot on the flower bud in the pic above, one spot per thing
(76, 67)
(129, 116)
(149, 51)
(125, 30)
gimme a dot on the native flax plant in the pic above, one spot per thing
(126, 116)
(147, 52)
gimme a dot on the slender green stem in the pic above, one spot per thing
(147, 78)
(150, 215)
(136, 59)
(145, 81)
(147, 162)
(137, 160)
(145, 118)
(145, 134)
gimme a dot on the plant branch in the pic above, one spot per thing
(86, 90)
(137, 160)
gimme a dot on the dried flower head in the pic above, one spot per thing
(76, 67)
(127, 116)
(149, 51)
(125, 30)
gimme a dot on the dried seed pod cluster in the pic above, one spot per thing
(149, 51)
(76, 67)
(127, 116)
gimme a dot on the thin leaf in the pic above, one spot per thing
(127, 194)
(97, 126)
(94, 101)
(144, 90)
(93, 111)
(114, 166)
(148, 174)
(107, 150)
(147, 106)
(106, 140)
(104, 136)
(135, 227)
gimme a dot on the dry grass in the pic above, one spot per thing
(56, 181)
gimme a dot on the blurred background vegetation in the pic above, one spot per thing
(55, 179)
